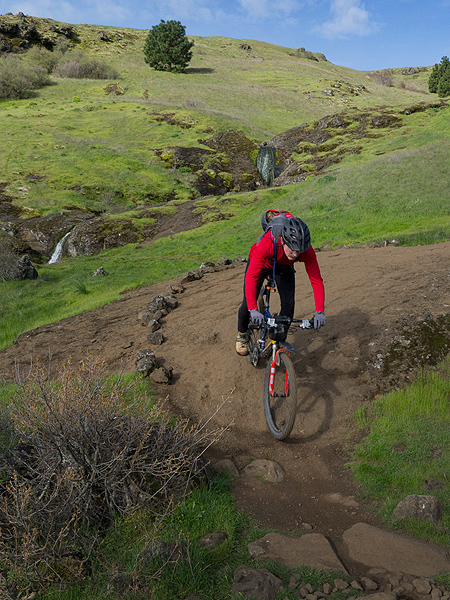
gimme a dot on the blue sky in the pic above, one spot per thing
(361, 35)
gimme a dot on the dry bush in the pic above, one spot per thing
(410, 87)
(383, 77)
(90, 449)
(76, 65)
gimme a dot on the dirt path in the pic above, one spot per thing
(369, 291)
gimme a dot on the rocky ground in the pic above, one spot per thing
(374, 297)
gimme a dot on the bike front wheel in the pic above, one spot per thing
(280, 396)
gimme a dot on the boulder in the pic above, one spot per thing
(423, 508)
(100, 233)
(258, 584)
(156, 338)
(145, 362)
(161, 375)
(377, 548)
(21, 268)
(38, 236)
(267, 469)
(212, 540)
(309, 550)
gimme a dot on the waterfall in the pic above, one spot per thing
(56, 256)
(265, 163)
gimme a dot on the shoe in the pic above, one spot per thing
(241, 344)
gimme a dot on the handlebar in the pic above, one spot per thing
(285, 321)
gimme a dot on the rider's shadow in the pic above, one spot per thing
(324, 363)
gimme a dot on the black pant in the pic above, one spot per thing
(285, 281)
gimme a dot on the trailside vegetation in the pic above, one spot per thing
(167, 48)
(83, 450)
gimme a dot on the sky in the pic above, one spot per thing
(367, 36)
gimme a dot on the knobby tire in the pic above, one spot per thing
(280, 409)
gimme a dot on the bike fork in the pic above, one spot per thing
(273, 365)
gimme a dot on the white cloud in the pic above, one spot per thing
(349, 17)
(263, 9)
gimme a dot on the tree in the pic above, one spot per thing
(167, 48)
(440, 73)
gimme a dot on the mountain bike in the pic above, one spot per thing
(280, 387)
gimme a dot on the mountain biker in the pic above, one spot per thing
(286, 240)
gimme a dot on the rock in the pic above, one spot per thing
(100, 233)
(432, 484)
(226, 464)
(206, 268)
(423, 508)
(145, 362)
(175, 289)
(162, 375)
(310, 550)
(267, 469)
(341, 584)
(99, 271)
(170, 302)
(212, 540)
(377, 548)
(153, 325)
(368, 584)
(23, 269)
(156, 338)
(190, 276)
(258, 584)
(422, 586)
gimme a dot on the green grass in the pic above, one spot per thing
(409, 442)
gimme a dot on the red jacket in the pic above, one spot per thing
(261, 258)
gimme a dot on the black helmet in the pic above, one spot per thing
(296, 235)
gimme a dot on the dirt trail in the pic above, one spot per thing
(368, 291)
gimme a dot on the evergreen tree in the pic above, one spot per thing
(433, 80)
(440, 72)
(443, 89)
(167, 48)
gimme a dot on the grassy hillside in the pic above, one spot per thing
(75, 146)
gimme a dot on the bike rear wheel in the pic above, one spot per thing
(280, 406)
(254, 336)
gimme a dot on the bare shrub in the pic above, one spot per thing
(90, 449)
(410, 87)
(383, 77)
(18, 79)
(76, 65)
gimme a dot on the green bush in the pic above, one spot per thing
(43, 58)
(18, 79)
(439, 80)
(167, 48)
